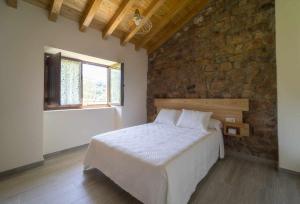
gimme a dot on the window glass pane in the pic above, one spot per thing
(115, 85)
(94, 84)
(70, 82)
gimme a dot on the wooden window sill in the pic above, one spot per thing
(89, 107)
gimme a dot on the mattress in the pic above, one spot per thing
(156, 163)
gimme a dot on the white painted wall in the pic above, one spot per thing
(70, 128)
(288, 82)
(23, 35)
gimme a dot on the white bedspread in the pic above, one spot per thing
(156, 163)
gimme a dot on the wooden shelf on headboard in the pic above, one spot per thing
(242, 129)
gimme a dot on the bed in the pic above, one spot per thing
(157, 163)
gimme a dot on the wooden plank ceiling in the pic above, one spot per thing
(114, 17)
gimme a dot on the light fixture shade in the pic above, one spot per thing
(137, 18)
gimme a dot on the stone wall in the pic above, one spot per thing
(226, 51)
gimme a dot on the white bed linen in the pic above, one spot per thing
(156, 163)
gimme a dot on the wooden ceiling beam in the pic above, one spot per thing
(197, 7)
(55, 10)
(89, 14)
(176, 7)
(117, 18)
(12, 3)
(154, 6)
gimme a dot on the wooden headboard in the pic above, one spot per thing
(221, 108)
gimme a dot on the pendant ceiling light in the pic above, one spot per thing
(137, 19)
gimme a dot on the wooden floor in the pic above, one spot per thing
(232, 181)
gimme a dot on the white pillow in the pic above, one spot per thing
(167, 116)
(194, 119)
(214, 124)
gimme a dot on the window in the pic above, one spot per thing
(72, 83)
(115, 81)
(94, 84)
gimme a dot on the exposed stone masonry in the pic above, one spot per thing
(226, 51)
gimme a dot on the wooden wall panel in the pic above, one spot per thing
(221, 108)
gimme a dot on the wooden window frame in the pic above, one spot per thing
(108, 103)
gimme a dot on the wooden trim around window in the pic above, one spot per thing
(96, 106)
(77, 107)
(62, 107)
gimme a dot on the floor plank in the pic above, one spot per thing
(231, 180)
